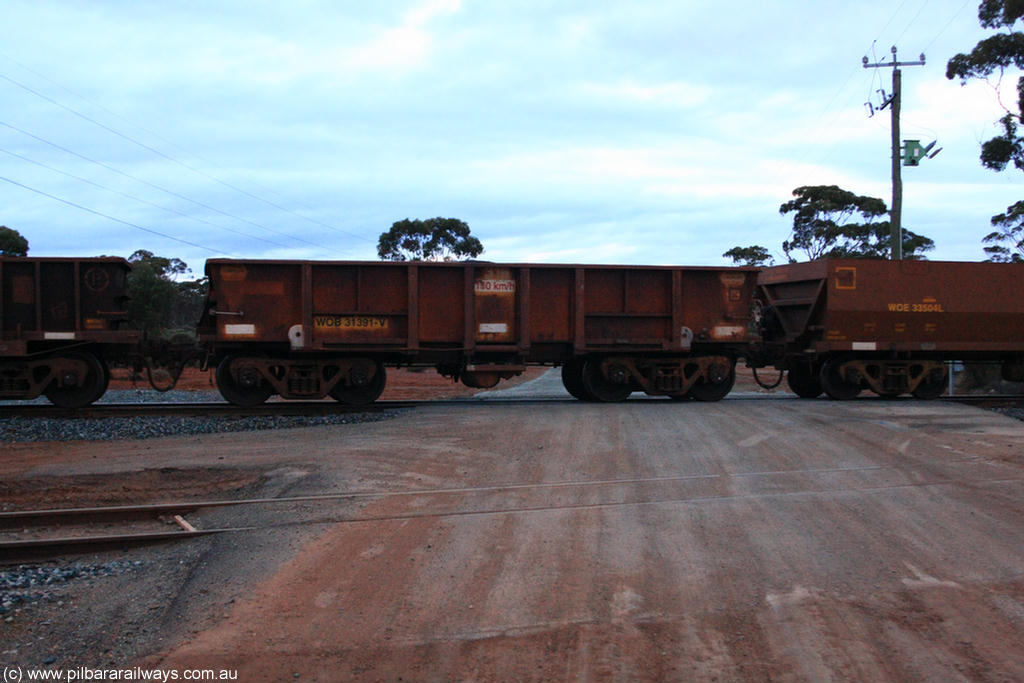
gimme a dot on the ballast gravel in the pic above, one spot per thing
(26, 584)
(1016, 412)
(30, 429)
(24, 430)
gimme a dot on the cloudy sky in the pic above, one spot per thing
(599, 131)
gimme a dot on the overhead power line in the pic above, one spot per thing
(948, 24)
(111, 218)
(174, 160)
(911, 22)
(158, 187)
(139, 199)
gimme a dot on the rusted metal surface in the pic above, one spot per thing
(536, 312)
(59, 319)
(61, 300)
(926, 308)
(301, 329)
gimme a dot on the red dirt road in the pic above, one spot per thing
(749, 540)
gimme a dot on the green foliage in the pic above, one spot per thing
(12, 243)
(434, 239)
(824, 227)
(159, 304)
(1006, 244)
(822, 216)
(162, 266)
(755, 255)
(992, 56)
(875, 241)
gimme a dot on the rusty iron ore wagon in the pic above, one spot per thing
(844, 325)
(60, 323)
(304, 329)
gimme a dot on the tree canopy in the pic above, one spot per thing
(12, 243)
(824, 225)
(434, 239)
(1006, 243)
(161, 265)
(830, 222)
(992, 56)
(158, 302)
(755, 255)
(822, 219)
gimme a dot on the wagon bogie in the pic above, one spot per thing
(843, 378)
(69, 379)
(251, 379)
(670, 376)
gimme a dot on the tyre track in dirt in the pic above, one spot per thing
(811, 545)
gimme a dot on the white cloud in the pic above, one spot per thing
(676, 94)
(404, 47)
(580, 130)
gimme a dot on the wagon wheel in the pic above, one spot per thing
(248, 390)
(365, 393)
(79, 391)
(833, 382)
(931, 386)
(803, 381)
(602, 389)
(572, 379)
(718, 382)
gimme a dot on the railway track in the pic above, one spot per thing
(210, 409)
(304, 408)
(38, 535)
(986, 399)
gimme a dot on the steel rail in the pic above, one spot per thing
(48, 548)
(39, 549)
(984, 398)
(55, 516)
(19, 550)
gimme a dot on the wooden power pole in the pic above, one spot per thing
(893, 102)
